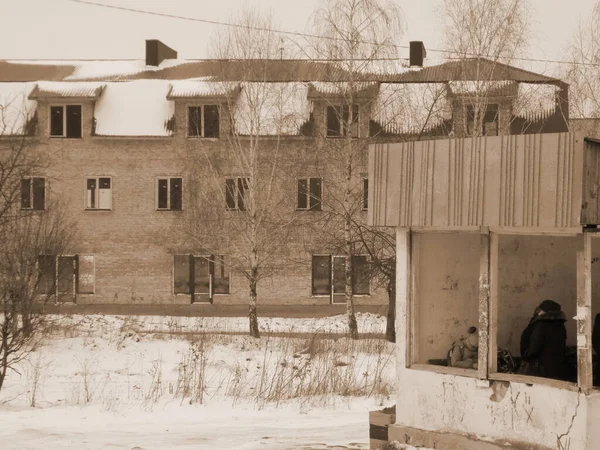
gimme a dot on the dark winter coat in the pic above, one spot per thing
(544, 345)
(596, 335)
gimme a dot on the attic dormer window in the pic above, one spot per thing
(203, 121)
(65, 121)
(487, 125)
(338, 121)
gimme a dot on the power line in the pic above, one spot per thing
(300, 34)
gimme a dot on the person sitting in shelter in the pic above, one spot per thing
(463, 352)
(544, 343)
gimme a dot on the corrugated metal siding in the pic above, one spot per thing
(531, 181)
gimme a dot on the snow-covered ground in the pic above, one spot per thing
(148, 383)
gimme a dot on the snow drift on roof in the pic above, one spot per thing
(200, 88)
(15, 107)
(104, 70)
(475, 87)
(134, 108)
(67, 89)
(271, 109)
(411, 108)
(342, 88)
(535, 101)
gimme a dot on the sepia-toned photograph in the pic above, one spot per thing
(318, 225)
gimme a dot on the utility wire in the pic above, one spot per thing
(300, 34)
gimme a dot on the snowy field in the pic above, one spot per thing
(154, 382)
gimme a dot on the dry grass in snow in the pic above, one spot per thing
(108, 370)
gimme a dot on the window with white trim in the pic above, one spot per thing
(309, 194)
(169, 193)
(33, 193)
(65, 121)
(98, 193)
(203, 121)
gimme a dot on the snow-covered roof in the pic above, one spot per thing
(200, 88)
(105, 69)
(342, 88)
(535, 101)
(134, 108)
(15, 107)
(412, 107)
(270, 109)
(67, 89)
(475, 87)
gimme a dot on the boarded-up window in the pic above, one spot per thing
(309, 194)
(170, 194)
(203, 121)
(235, 193)
(321, 275)
(66, 276)
(339, 123)
(85, 274)
(33, 193)
(182, 274)
(360, 275)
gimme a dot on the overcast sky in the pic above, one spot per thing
(62, 29)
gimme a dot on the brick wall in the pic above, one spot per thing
(133, 244)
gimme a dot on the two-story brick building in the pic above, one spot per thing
(145, 156)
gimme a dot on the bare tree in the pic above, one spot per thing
(583, 74)
(240, 210)
(359, 37)
(25, 233)
(481, 34)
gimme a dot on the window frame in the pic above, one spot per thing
(31, 194)
(319, 206)
(470, 119)
(236, 194)
(65, 133)
(332, 257)
(191, 269)
(202, 128)
(487, 372)
(157, 192)
(76, 276)
(365, 193)
(97, 194)
(339, 115)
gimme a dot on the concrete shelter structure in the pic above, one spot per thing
(486, 229)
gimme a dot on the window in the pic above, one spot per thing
(66, 275)
(170, 194)
(329, 272)
(98, 194)
(309, 194)
(201, 277)
(65, 121)
(365, 193)
(33, 193)
(203, 121)
(235, 193)
(489, 122)
(338, 119)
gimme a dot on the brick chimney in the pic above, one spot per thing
(157, 52)
(417, 53)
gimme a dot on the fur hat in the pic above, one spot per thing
(550, 306)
